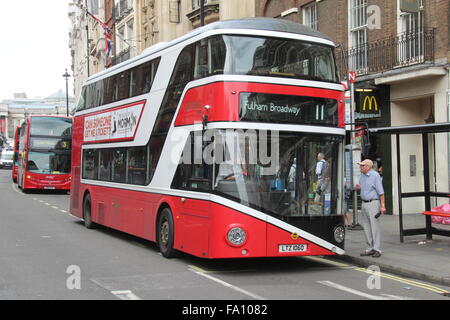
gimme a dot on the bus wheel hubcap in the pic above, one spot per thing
(164, 233)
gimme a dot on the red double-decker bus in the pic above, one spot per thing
(208, 144)
(45, 153)
(16, 154)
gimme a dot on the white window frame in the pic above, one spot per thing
(411, 51)
(121, 35)
(310, 17)
(357, 37)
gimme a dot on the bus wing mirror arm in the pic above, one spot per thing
(205, 116)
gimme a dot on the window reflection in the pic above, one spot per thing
(286, 186)
(278, 57)
(271, 171)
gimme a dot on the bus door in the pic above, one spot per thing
(242, 175)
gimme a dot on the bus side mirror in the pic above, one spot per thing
(205, 116)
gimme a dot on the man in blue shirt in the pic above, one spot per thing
(373, 205)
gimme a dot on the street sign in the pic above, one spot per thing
(352, 76)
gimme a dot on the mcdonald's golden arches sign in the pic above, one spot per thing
(370, 103)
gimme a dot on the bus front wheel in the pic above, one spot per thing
(165, 234)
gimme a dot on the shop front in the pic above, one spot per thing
(372, 109)
(417, 98)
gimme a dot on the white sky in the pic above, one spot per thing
(35, 47)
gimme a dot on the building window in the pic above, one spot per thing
(358, 36)
(310, 16)
(411, 36)
(130, 30)
(121, 36)
(174, 11)
(196, 4)
(93, 7)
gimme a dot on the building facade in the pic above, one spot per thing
(135, 25)
(400, 51)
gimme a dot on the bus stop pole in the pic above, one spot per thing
(355, 224)
(427, 187)
(399, 187)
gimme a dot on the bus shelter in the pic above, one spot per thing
(423, 130)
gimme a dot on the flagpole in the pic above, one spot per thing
(87, 48)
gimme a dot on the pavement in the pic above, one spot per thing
(416, 257)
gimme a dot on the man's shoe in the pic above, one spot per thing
(377, 254)
(368, 253)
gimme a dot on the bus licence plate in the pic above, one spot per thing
(49, 188)
(292, 248)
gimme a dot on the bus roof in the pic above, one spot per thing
(259, 23)
(47, 116)
(269, 24)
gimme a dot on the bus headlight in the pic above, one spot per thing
(339, 234)
(236, 236)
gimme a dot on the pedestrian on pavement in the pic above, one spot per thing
(373, 205)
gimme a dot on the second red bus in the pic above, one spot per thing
(44, 158)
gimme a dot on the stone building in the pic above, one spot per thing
(136, 25)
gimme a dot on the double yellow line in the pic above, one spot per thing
(383, 275)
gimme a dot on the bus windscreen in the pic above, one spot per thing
(49, 162)
(273, 57)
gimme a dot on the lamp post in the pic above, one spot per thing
(66, 75)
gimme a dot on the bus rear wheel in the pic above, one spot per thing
(87, 213)
(165, 234)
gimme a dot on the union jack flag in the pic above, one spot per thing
(107, 33)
